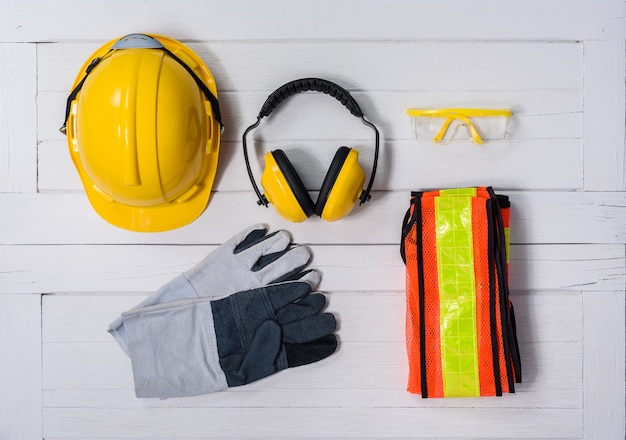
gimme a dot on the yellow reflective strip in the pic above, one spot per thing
(470, 192)
(457, 294)
(468, 112)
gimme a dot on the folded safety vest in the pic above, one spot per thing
(460, 325)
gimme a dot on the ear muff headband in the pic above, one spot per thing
(306, 85)
(303, 85)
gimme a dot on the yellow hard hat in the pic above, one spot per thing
(143, 128)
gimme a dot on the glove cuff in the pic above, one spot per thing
(178, 288)
(173, 349)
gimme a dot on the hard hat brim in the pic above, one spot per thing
(154, 218)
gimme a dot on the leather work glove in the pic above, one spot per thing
(248, 260)
(198, 346)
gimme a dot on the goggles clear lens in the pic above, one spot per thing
(446, 125)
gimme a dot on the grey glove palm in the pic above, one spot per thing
(248, 260)
(262, 331)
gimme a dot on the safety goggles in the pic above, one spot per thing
(446, 124)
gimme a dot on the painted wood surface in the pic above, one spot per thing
(18, 118)
(20, 367)
(65, 273)
(325, 19)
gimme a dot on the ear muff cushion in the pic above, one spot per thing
(294, 182)
(331, 178)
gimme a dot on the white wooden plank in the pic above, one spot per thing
(366, 374)
(546, 100)
(323, 422)
(335, 437)
(417, 165)
(536, 217)
(378, 382)
(145, 268)
(355, 366)
(504, 68)
(545, 262)
(517, 65)
(345, 398)
(20, 367)
(604, 365)
(390, 56)
(366, 371)
(376, 317)
(340, 437)
(536, 19)
(18, 118)
(541, 113)
(605, 108)
(536, 146)
(545, 134)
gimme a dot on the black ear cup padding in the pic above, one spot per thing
(331, 178)
(296, 185)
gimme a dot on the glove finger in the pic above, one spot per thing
(248, 237)
(264, 260)
(310, 305)
(283, 265)
(276, 242)
(311, 276)
(309, 328)
(285, 293)
(260, 359)
(309, 352)
(224, 252)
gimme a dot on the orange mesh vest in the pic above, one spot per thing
(460, 324)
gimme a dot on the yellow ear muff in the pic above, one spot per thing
(278, 190)
(344, 185)
(344, 180)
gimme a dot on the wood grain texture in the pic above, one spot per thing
(558, 65)
(325, 19)
(144, 268)
(350, 422)
(603, 366)
(20, 367)
(541, 217)
(605, 113)
(18, 118)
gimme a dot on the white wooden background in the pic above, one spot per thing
(65, 273)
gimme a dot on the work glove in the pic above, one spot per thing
(198, 345)
(248, 260)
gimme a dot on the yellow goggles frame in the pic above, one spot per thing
(461, 114)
